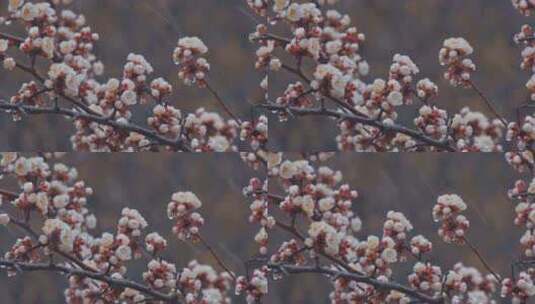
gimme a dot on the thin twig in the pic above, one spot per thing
(222, 103)
(483, 261)
(269, 36)
(487, 102)
(216, 257)
(296, 72)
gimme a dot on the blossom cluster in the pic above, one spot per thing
(426, 277)
(467, 284)
(519, 133)
(448, 211)
(209, 131)
(256, 190)
(473, 131)
(160, 274)
(520, 290)
(182, 209)
(166, 120)
(525, 7)
(202, 284)
(254, 288)
(432, 121)
(192, 67)
(454, 55)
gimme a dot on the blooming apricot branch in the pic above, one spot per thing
(32, 267)
(326, 239)
(314, 212)
(331, 81)
(52, 198)
(330, 72)
(102, 111)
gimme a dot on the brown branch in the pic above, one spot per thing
(41, 79)
(30, 71)
(292, 230)
(269, 36)
(16, 39)
(444, 145)
(487, 102)
(380, 285)
(482, 259)
(526, 40)
(222, 103)
(523, 195)
(122, 283)
(24, 226)
(8, 194)
(75, 260)
(340, 103)
(85, 271)
(177, 144)
(297, 72)
(216, 257)
(275, 197)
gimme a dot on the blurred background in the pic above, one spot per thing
(151, 28)
(409, 183)
(417, 28)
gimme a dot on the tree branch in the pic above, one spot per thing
(33, 267)
(482, 259)
(380, 285)
(222, 103)
(177, 144)
(16, 39)
(444, 145)
(8, 194)
(41, 79)
(269, 36)
(487, 102)
(216, 257)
